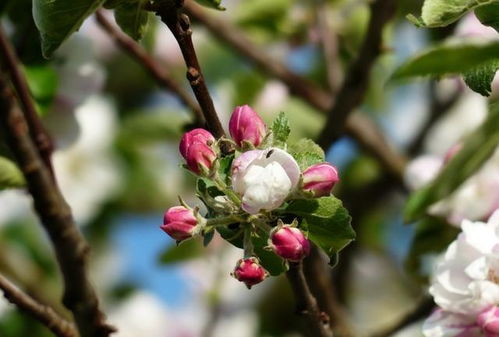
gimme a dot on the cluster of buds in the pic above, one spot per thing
(260, 180)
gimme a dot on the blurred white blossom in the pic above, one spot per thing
(478, 196)
(87, 172)
(466, 282)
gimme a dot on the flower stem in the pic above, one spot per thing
(248, 244)
(223, 221)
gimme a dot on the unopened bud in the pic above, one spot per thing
(249, 271)
(245, 125)
(195, 147)
(289, 243)
(179, 222)
(320, 179)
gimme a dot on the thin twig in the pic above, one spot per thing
(318, 321)
(159, 74)
(329, 45)
(70, 246)
(179, 25)
(365, 132)
(356, 82)
(37, 130)
(422, 310)
(43, 313)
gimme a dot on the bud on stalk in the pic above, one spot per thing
(195, 147)
(320, 179)
(179, 222)
(289, 243)
(249, 271)
(245, 125)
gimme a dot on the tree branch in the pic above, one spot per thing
(162, 78)
(358, 126)
(42, 313)
(306, 303)
(38, 133)
(70, 246)
(356, 82)
(179, 25)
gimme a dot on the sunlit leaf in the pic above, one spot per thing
(58, 19)
(448, 59)
(327, 222)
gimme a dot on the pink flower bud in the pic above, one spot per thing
(249, 271)
(195, 147)
(320, 179)
(246, 125)
(289, 243)
(488, 321)
(179, 222)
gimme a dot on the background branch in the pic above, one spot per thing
(38, 132)
(42, 313)
(70, 246)
(306, 303)
(159, 74)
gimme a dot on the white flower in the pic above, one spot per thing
(466, 281)
(264, 178)
(86, 171)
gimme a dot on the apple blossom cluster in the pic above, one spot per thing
(255, 195)
(465, 285)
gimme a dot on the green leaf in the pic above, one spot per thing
(43, 82)
(432, 236)
(327, 222)
(307, 153)
(280, 130)
(10, 175)
(489, 15)
(216, 4)
(225, 167)
(58, 19)
(187, 250)
(448, 59)
(131, 18)
(480, 79)
(439, 13)
(479, 146)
